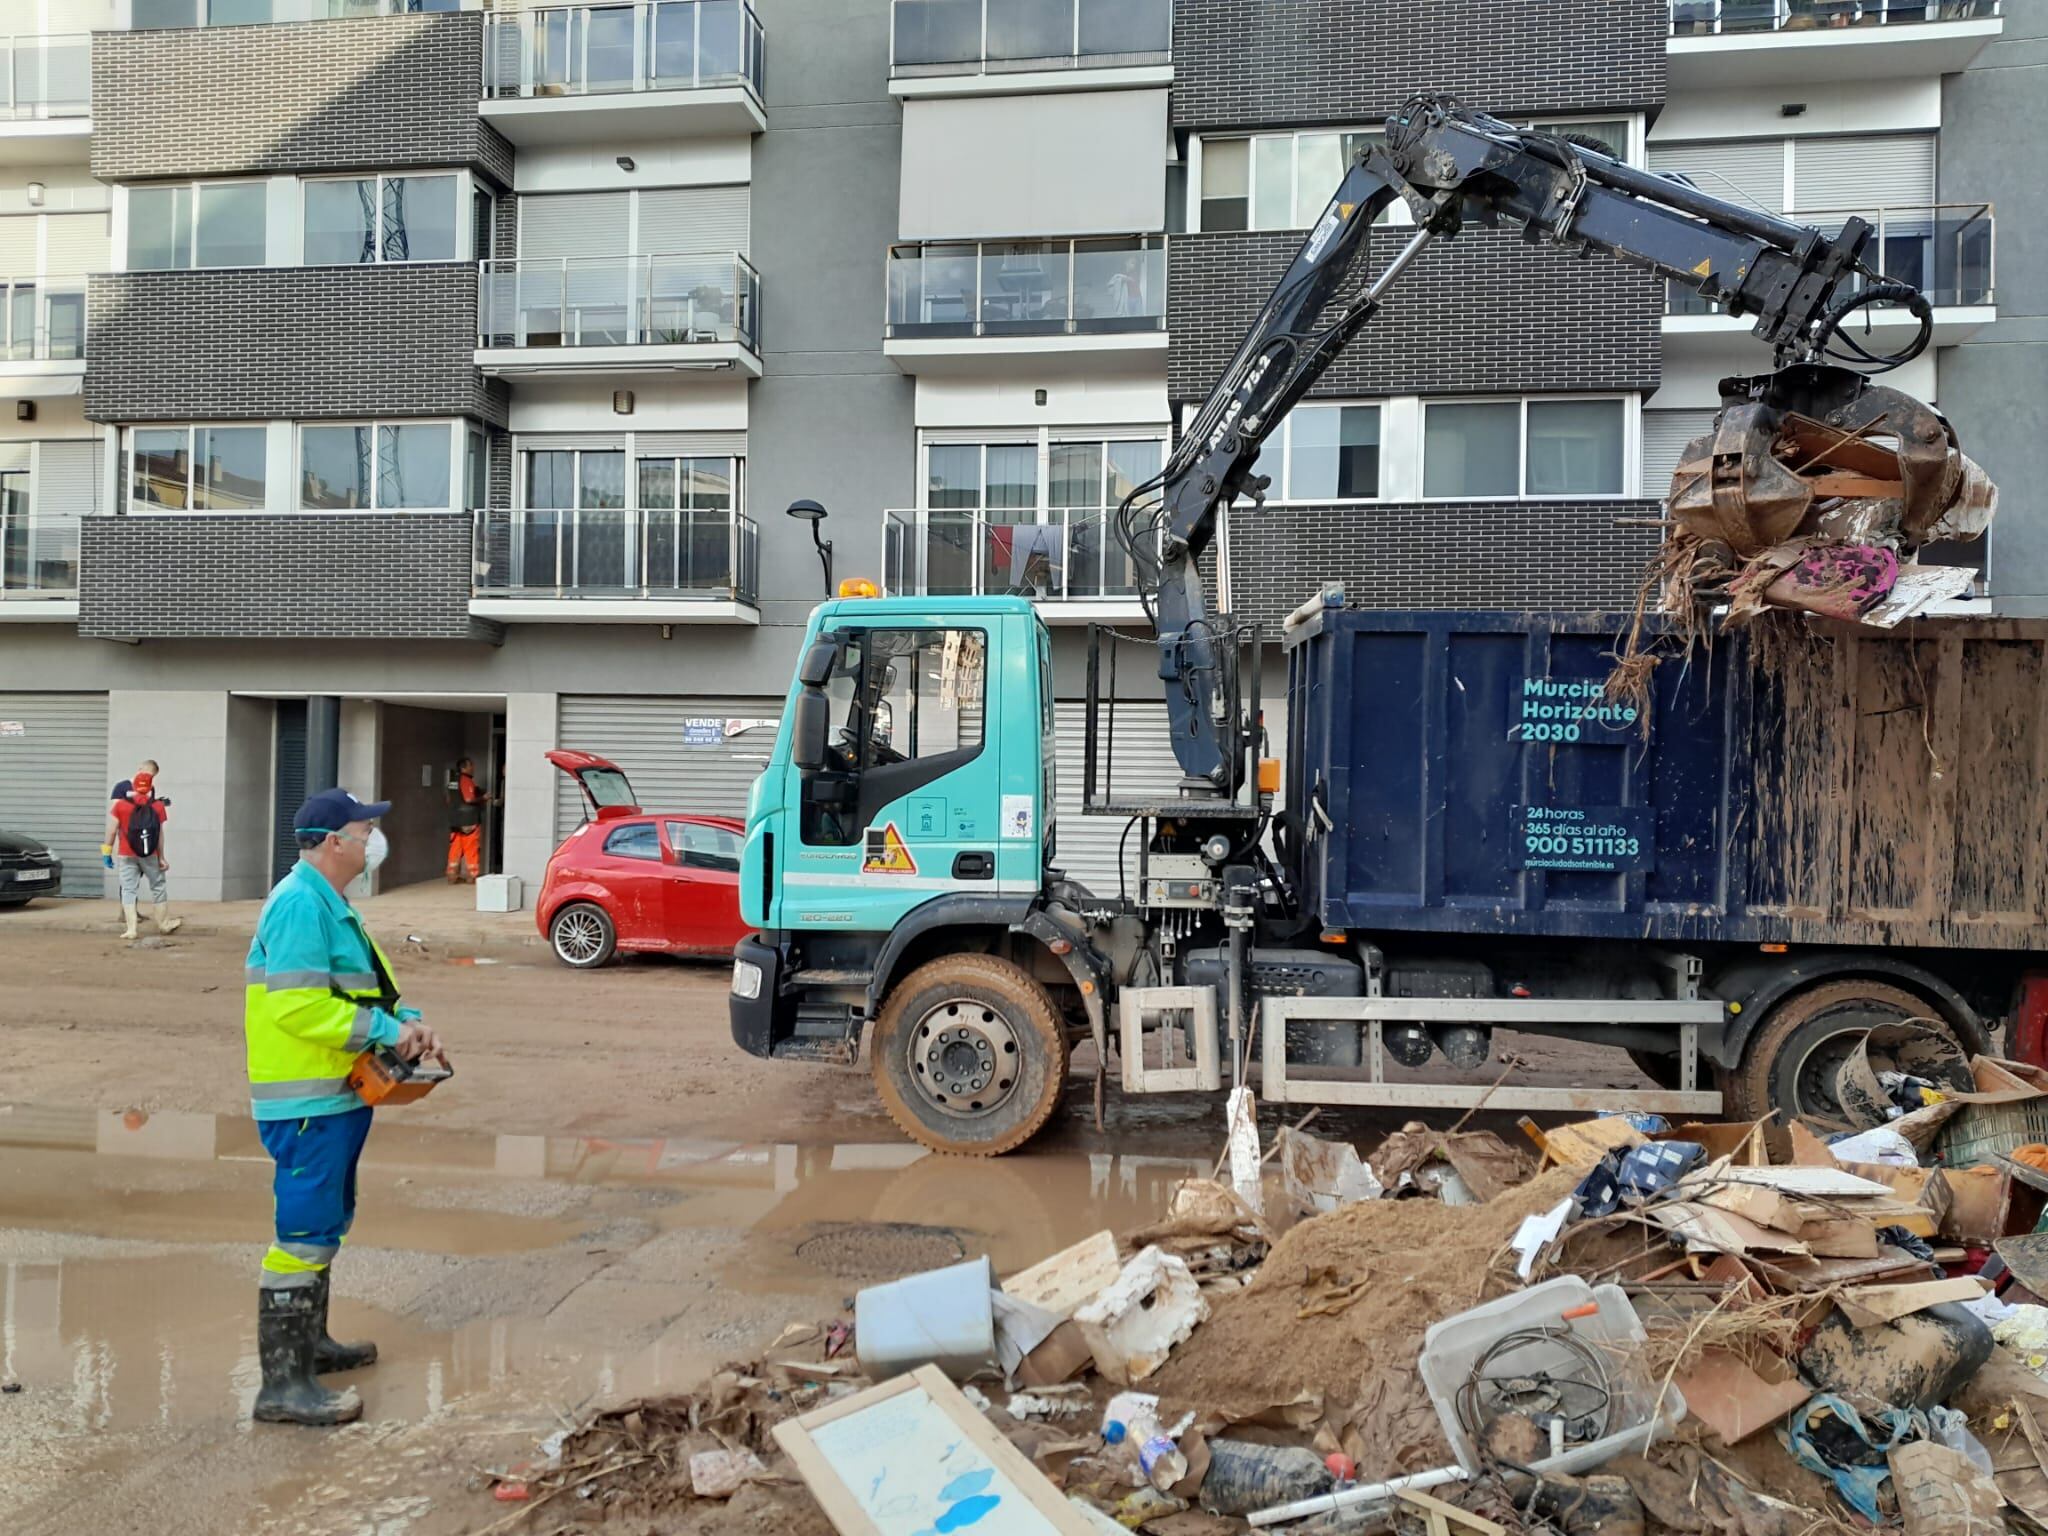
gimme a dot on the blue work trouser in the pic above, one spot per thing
(315, 1189)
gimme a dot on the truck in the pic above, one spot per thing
(1732, 865)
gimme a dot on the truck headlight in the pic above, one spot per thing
(746, 980)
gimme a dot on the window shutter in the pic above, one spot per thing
(1749, 173)
(689, 220)
(1665, 434)
(561, 224)
(1863, 174)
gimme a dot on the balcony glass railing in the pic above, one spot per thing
(1695, 18)
(1028, 288)
(653, 45)
(1072, 555)
(38, 555)
(1946, 250)
(617, 552)
(619, 301)
(945, 37)
(48, 77)
(42, 319)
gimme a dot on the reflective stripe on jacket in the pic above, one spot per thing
(314, 1000)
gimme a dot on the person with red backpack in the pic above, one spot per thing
(134, 841)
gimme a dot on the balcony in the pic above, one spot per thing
(979, 307)
(1946, 250)
(619, 314)
(600, 565)
(581, 74)
(1012, 45)
(1072, 562)
(1790, 42)
(42, 337)
(38, 563)
(46, 114)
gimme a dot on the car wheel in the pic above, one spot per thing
(583, 936)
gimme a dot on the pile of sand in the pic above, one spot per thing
(1411, 1263)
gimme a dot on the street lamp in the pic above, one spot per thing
(811, 512)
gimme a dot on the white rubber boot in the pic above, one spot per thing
(129, 917)
(165, 923)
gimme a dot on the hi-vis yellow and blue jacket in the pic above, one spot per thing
(319, 995)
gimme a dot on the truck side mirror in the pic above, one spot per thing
(807, 732)
(815, 670)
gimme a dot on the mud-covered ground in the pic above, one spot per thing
(608, 1199)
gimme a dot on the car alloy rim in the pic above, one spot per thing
(964, 1059)
(579, 935)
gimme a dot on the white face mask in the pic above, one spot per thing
(376, 849)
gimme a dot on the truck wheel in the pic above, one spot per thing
(1790, 1063)
(969, 1056)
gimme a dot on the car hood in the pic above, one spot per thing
(20, 842)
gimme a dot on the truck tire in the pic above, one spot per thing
(1790, 1062)
(969, 1056)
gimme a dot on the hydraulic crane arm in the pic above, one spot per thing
(1448, 165)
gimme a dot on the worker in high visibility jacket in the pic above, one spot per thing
(319, 994)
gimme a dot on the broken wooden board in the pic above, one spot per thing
(1707, 1230)
(1733, 1400)
(1868, 1306)
(1807, 1275)
(1584, 1142)
(1803, 1182)
(1438, 1516)
(1069, 1279)
(913, 1455)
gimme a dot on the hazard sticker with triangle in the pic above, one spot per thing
(887, 853)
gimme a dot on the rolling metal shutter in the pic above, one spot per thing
(1144, 766)
(77, 244)
(690, 445)
(287, 786)
(1863, 174)
(1752, 174)
(687, 220)
(649, 739)
(1665, 434)
(53, 779)
(67, 479)
(558, 224)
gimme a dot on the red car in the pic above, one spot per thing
(654, 881)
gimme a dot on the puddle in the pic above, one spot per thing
(679, 1253)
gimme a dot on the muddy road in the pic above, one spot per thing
(608, 1199)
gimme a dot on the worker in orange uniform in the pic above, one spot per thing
(465, 825)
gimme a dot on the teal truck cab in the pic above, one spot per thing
(896, 869)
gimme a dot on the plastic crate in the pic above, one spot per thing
(1451, 1348)
(1980, 1132)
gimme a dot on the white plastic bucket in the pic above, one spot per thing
(941, 1317)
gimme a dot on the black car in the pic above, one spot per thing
(27, 870)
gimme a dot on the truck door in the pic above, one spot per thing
(906, 802)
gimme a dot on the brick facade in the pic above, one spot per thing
(383, 93)
(1509, 554)
(287, 342)
(319, 575)
(1483, 313)
(1277, 63)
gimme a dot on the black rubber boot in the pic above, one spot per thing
(287, 1329)
(328, 1354)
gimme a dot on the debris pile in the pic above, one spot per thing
(1624, 1328)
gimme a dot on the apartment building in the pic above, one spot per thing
(403, 380)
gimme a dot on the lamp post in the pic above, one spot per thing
(813, 513)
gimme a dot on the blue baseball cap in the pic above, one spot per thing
(333, 809)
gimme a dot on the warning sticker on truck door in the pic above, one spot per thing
(887, 853)
(1597, 839)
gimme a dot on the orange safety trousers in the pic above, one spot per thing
(466, 844)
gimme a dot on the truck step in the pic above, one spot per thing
(828, 1050)
(828, 978)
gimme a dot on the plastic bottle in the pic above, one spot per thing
(1244, 1477)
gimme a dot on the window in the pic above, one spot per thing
(1614, 132)
(209, 224)
(477, 471)
(380, 218)
(1277, 180)
(569, 477)
(198, 469)
(151, 15)
(672, 484)
(367, 466)
(635, 840)
(705, 847)
(1511, 448)
(1330, 453)
(896, 696)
